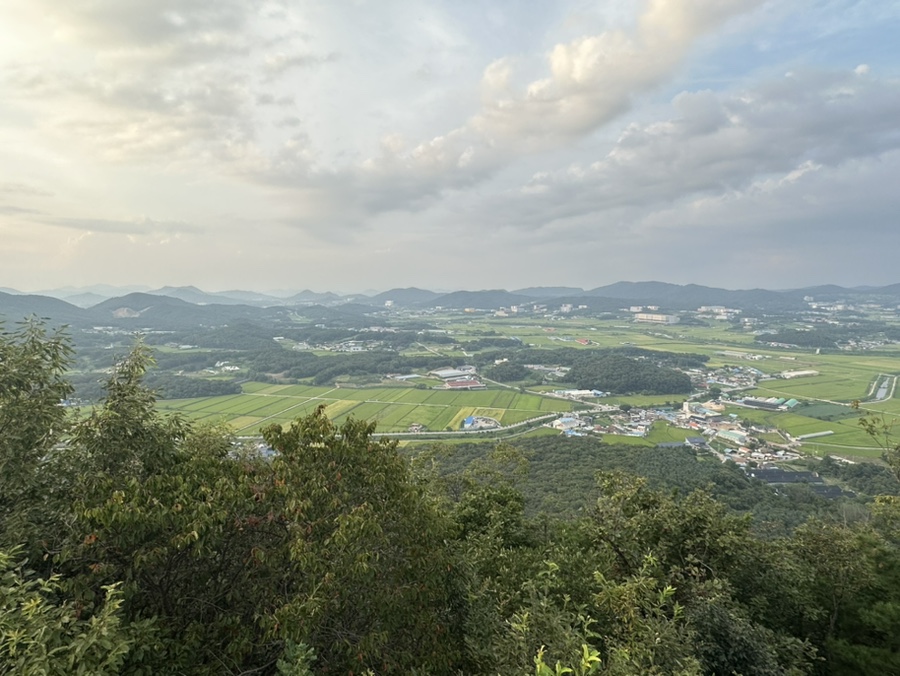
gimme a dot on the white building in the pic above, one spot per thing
(652, 318)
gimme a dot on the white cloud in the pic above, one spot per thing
(553, 135)
(19, 188)
(137, 226)
(720, 143)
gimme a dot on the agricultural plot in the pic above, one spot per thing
(394, 409)
(847, 434)
(829, 412)
(844, 389)
(660, 433)
(843, 377)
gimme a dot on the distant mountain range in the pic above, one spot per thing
(178, 306)
(192, 294)
(89, 296)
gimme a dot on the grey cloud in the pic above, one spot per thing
(782, 233)
(211, 90)
(267, 99)
(206, 114)
(15, 188)
(279, 62)
(290, 121)
(138, 226)
(201, 114)
(149, 35)
(114, 23)
(726, 142)
(591, 81)
(11, 210)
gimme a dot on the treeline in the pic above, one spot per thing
(621, 370)
(866, 478)
(569, 356)
(492, 344)
(90, 387)
(168, 386)
(830, 336)
(133, 543)
(817, 338)
(619, 374)
(508, 372)
(254, 336)
(297, 364)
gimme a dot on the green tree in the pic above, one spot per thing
(372, 579)
(39, 636)
(32, 422)
(329, 544)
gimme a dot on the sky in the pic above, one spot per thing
(448, 144)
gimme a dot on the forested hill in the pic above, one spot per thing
(133, 543)
(558, 478)
(15, 306)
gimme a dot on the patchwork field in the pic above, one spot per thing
(393, 408)
(841, 379)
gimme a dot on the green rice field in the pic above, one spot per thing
(842, 378)
(393, 408)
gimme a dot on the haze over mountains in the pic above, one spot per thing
(190, 305)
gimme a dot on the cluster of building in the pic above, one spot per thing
(549, 371)
(731, 377)
(477, 422)
(573, 424)
(719, 312)
(462, 378)
(579, 395)
(656, 318)
(770, 403)
(227, 367)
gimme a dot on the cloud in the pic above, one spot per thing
(111, 24)
(289, 121)
(16, 188)
(137, 226)
(278, 63)
(594, 79)
(190, 113)
(549, 136)
(119, 117)
(11, 210)
(591, 81)
(720, 143)
(267, 99)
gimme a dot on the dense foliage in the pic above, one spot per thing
(832, 335)
(619, 374)
(866, 478)
(133, 543)
(569, 356)
(88, 388)
(507, 373)
(324, 370)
